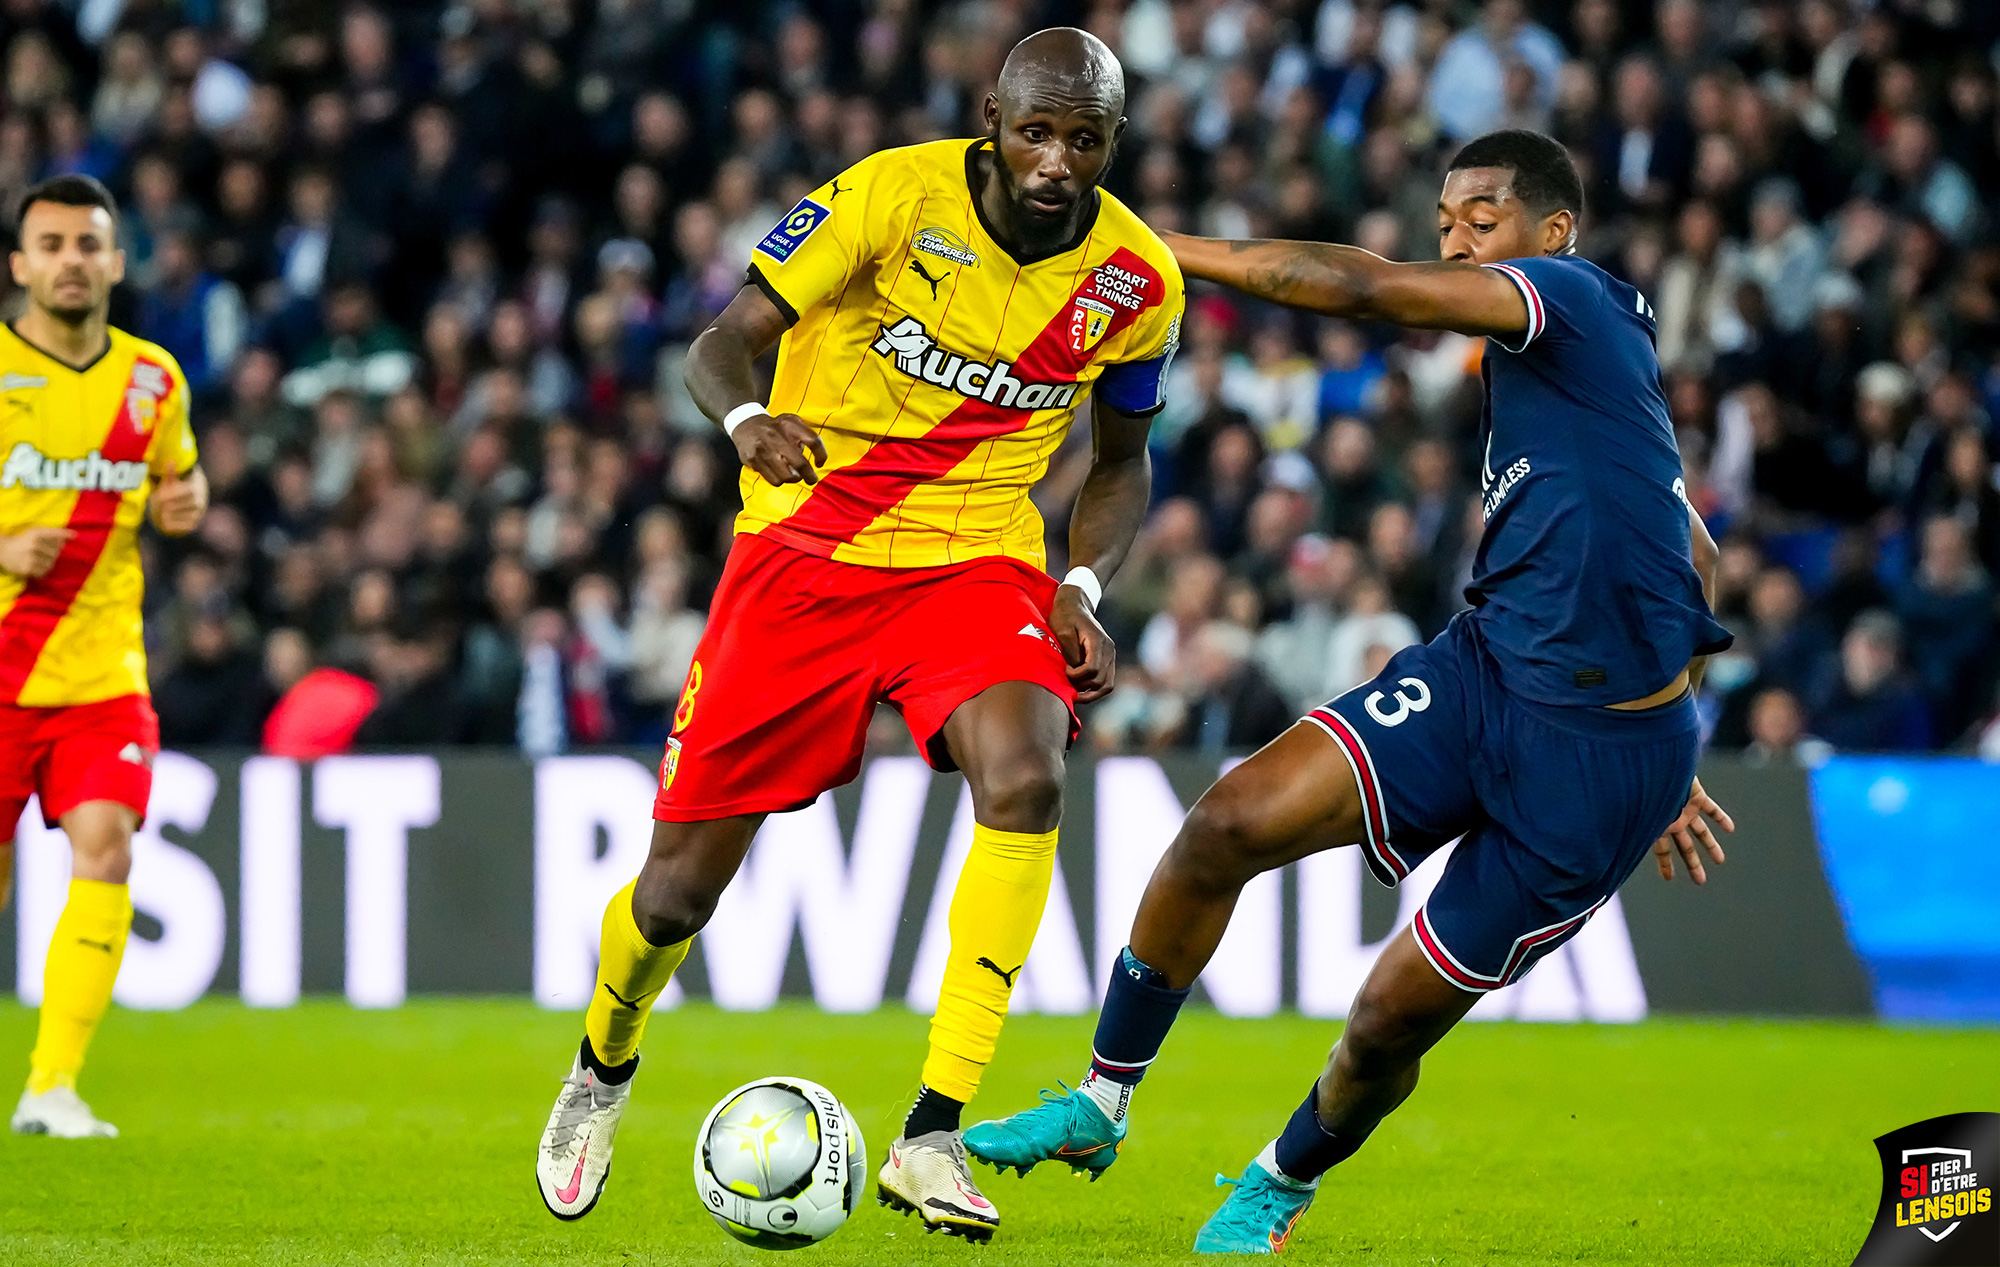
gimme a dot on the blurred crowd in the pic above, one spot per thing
(433, 269)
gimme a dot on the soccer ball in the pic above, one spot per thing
(779, 1163)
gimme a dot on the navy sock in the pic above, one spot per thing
(1139, 1009)
(1306, 1150)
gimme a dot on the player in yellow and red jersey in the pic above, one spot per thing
(944, 309)
(93, 431)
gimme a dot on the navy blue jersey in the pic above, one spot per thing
(1584, 583)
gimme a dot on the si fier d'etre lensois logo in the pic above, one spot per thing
(1937, 1195)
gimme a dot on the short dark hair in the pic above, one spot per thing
(69, 191)
(1545, 178)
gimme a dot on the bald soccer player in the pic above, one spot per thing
(940, 312)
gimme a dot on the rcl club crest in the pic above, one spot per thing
(1088, 320)
(1937, 1195)
(142, 395)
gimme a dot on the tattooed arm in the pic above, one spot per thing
(1346, 281)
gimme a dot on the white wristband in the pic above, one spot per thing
(1086, 580)
(741, 414)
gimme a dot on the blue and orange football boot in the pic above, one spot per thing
(1258, 1217)
(1063, 1127)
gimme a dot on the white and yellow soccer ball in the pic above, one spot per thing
(780, 1163)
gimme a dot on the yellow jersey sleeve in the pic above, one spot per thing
(831, 235)
(173, 451)
(1157, 332)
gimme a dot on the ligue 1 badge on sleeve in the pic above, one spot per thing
(1937, 1195)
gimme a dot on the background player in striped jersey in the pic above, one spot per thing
(94, 433)
(943, 309)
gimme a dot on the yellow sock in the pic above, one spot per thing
(84, 955)
(631, 972)
(994, 914)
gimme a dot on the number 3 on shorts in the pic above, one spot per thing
(1416, 702)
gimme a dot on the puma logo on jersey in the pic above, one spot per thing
(917, 267)
(27, 467)
(917, 354)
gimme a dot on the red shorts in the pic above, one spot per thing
(799, 649)
(77, 753)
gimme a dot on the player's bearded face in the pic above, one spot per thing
(68, 261)
(1049, 162)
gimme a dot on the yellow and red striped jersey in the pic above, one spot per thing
(941, 372)
(79, 449)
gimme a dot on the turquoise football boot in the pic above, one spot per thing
(1067, 1127)
(1258, 1217)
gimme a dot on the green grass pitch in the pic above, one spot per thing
(326, 1135)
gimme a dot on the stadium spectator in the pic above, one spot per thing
(211, 695)
(1352, 373)
(1777, 732)
(1231, 706)
(198, 317)
(1367, 635)
(1295, 652)
(1866, 701)
(1469, 83)
(1194, 597)
(1947, 614)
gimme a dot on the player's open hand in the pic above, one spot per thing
(33, 551)
(1092, 656)
(1691, 834)
(783, 449)
(179, 502)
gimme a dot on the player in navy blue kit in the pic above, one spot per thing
(1551, 728)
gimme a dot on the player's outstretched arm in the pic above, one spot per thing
(1346, 281)
(721, 376)
(1109, 509)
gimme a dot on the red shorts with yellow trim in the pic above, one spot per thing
(80, 752)
(799, 650)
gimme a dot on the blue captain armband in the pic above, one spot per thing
(1136, 387)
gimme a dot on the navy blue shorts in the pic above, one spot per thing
(1553, 807)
